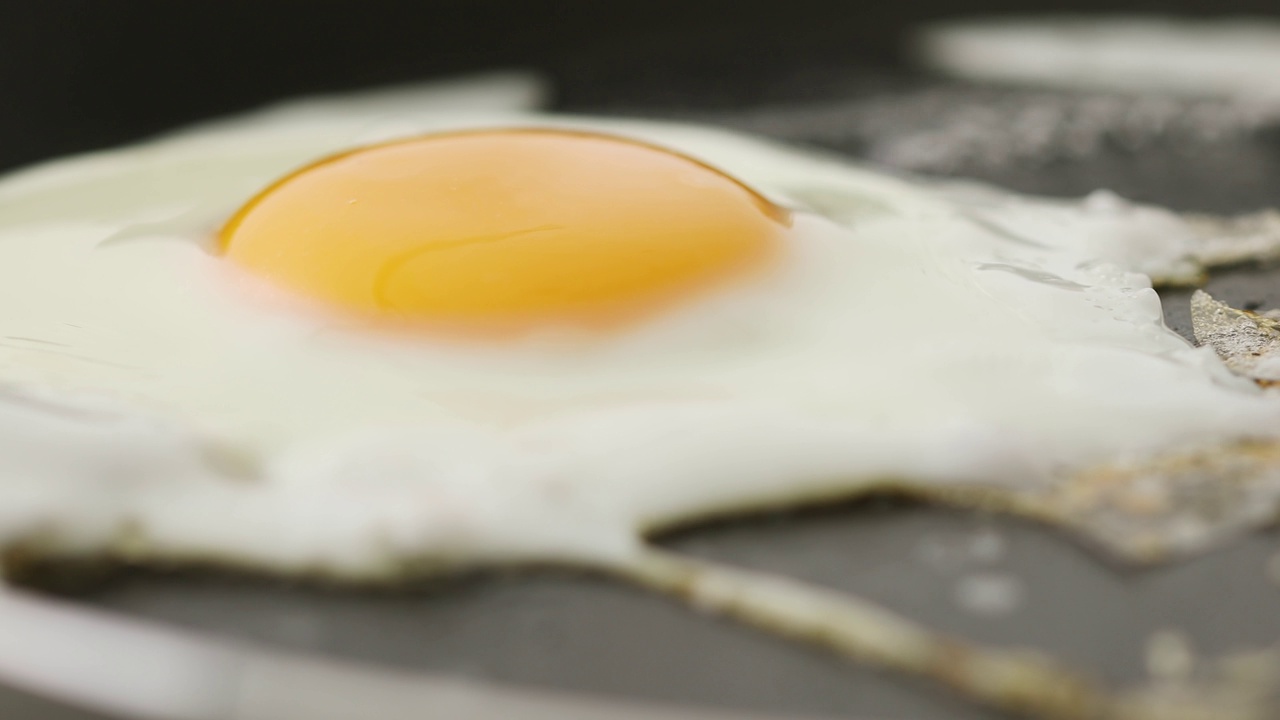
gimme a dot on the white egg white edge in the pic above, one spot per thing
(1230, 58)
(146, 671)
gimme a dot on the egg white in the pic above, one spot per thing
(1231, 58)
(158, 404)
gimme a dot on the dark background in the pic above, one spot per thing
(87, 74)
(90, 73)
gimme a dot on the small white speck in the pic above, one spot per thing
(1273, 569)
(1169, 655)
(935, 552)
(989, 593)
(984, 546)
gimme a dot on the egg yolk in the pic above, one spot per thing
(505, 230)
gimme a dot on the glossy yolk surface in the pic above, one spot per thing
(505, 230)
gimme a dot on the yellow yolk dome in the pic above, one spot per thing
(505, 230)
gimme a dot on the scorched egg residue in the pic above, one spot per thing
(167, 397)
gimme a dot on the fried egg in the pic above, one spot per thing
(368, 336)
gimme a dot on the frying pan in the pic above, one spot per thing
(80, 75)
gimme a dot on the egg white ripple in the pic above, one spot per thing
(157, 405)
